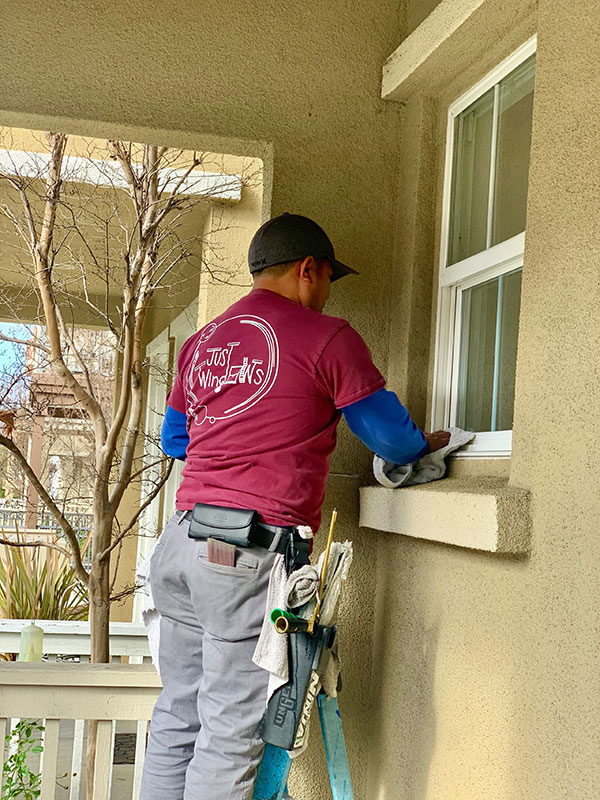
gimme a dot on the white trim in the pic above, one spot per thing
(498, 442)
(72, 638)
(493, 162)
(442, 370)
(157, 357)
(497, 334)
(456, 353)
(182, 327)
(101, 172)
(494, 444)
(494, 76)
(486, 265)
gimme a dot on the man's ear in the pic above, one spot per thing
(306, 269)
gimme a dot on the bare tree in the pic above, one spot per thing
(96, 236)
(103, 233)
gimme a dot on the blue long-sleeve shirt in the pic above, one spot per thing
(380, 421)
(174, 436)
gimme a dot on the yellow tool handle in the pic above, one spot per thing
(313, 620)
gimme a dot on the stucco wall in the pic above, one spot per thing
(487, 665)
(297, 86)
(468, 675)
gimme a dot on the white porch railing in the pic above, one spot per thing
(65, 638)
(79, 692)
(13, 513)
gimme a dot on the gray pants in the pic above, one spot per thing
(204, 743)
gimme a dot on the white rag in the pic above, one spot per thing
(340, 559)
(300, 588)
(150, 615)
(431, 467)
(271, 651)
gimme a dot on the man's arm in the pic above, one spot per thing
(382, 423)
(174, 437)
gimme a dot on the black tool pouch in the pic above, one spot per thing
(297, 554)
(232, 525)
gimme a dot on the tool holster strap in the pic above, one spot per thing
(240, 527)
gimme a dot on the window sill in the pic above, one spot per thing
(482, 514)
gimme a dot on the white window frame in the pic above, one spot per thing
(154, 517)
(453, 280)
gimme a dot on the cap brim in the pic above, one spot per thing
(339, 270)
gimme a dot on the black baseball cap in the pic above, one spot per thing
(291, 237)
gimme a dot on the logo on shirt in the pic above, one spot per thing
(240, 352)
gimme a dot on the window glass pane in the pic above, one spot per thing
(488, 354)
(515, 110)
(507, 351)
(470, 179)
(476, 366)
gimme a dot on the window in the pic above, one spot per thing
(483, 238)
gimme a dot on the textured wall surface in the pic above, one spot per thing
(467, 675)
(486, 666)
(298, 87)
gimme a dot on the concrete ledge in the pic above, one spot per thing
(482, 514)
(451, 38)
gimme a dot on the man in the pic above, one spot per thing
(253, 411)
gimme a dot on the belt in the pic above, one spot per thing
(275, 538)
(272, 537)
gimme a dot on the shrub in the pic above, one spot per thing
(18, 779)
(39, 583)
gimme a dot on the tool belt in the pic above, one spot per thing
(239, 526)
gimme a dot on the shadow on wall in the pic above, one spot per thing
(454, 653)
(404, 658)
(309, 779)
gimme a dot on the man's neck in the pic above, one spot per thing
(280, 288)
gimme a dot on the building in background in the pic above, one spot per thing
(55, 432)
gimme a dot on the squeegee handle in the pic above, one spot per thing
(315, 617)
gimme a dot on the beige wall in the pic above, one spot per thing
(467, 675)
(298, 88)
(488, 664)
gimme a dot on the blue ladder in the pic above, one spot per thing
(273, 771)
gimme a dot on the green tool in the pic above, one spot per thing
(285, 622)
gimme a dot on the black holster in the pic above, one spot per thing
(232, 525)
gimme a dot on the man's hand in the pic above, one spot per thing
(437, 440)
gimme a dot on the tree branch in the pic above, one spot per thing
(154, 493)
(118, 151)
(124, 593)
(146, 467)
(136, 393)
(66, 526)
(57, 142)
(28, 342)
(49, 545)
(70, 340)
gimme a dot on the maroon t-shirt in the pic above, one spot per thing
(262, 386)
